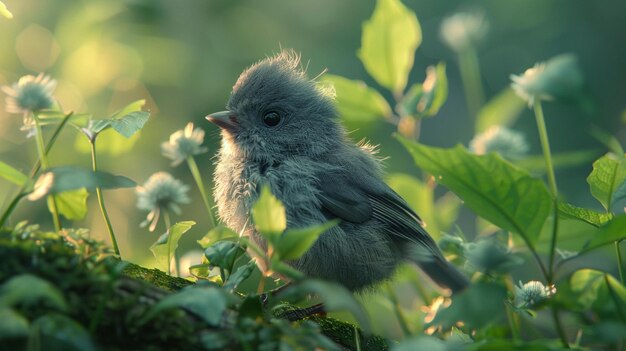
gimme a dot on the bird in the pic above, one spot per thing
(281, 129)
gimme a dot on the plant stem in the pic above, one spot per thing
(168, 224)
(33, 171)
(105, 214)
(513, 322)
(195, 172)
(396, 308)
(620, 269)
(41, 149)
(545, 146)
(472, 84)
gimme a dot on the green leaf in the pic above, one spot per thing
(208, 303)
(356, 101)
(13, 325)
(479, 305)
(219, 233)
(4, 11)
(599, 291)
(134, 106)
(72, 204)
(607, 139)
(421, 342)
(583, 214)
(241, 273)
(425, 100)
(335, 298)
(293, 243)
(27, 289)
(493, 188)
(612, 231)
(502, 110)
(269, 215)
(109, 142)
(61, 179)
(388, 44)
(12, 175)
(58, 332)
(608, 174)
(223, 254)
(130, 123)
(163, 249)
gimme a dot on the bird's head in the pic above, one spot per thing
(276, 111)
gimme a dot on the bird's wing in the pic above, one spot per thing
(356, 200)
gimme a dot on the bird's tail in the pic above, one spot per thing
(445, 274)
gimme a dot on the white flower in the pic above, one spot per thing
(508, 143)
(184, 143)
(559, 77)
(30, 93)
(161, 192)
(463, 30)
(532, 293)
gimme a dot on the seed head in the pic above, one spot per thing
(183, 144)
(161, 192)
(508, 143)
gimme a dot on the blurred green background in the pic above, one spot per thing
(184, 56)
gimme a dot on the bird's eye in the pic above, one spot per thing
(271, 119)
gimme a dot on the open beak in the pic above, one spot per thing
(225, 120)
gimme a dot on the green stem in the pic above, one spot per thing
(41, 150)
(545, 146)
(195, 172)
(396, 308)
(168, 225)
(620, 269)
(472, 84)
(33, 172)
(105, 214)
(357, 339)
(513, 322)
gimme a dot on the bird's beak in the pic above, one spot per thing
(225, 120)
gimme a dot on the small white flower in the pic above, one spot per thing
(183, 144)
(532, 293)
(161, 192)
(30, 94)
(508, 143)
(463, 30)
(559, 77)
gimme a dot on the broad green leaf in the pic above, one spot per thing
(477, 306)
(356, 101)
(130, 123)
(502, 110)
(208, 303)
(425, 100)
(163, 249)
(4, 11)
(285, 270)
(223, 254)
(61, 179)
(583, 214)
(27, 289)
(216, 234)
(241, 273)
(293, 243)
(13, 325)
(608, 174)
(388, 44)
(12, 175)
(134, 106)
(72, 204)
(591, 289)
(537, 163)
(447, 211)
(495, 189)
(335, 298)
(269, 215)
(58, 332)
(613, 230)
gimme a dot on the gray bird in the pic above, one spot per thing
(280, 129)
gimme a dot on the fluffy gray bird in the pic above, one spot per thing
(282, 130)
